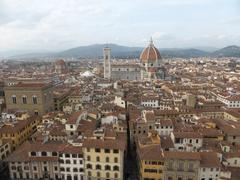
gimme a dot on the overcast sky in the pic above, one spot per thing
(61, 24)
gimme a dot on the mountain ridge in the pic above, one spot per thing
(120, 51)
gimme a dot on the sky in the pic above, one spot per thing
(55, 25)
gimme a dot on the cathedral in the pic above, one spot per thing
(150, 66)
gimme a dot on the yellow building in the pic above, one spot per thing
(18, 131)
(104, 154)
(150, 157)
(4, 149)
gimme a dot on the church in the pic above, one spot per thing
(150, 66)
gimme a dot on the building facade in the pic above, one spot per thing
(37, 98)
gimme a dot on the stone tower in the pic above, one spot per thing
(107, 62)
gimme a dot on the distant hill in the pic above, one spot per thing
(118, 51)
(229, 51)
(96, 50)
(183, 53)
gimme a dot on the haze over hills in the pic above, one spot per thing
(119, 51)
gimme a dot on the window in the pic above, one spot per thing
(115, 175)
(88, 158)
(74, 155)
(180, 166)
(116, 160)
(97, 150)
(24, 99)
(107, 167)
(115, 168)
(107, 159)
(89, 166)
(80, 156)
(97, 158)
(107, 174)
(170, 165)
(54, 153)
(68, 162)
(44, 153)
(67, 155)
(107, 150)
(75, 170)
(14, 99)
(190, 167)
(98, 174)
(34, 98)
(115, 151)
(33, 153)
(75, 177)
(98, 167)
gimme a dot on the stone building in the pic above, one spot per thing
(36, 98)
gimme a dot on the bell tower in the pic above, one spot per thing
(107, 62)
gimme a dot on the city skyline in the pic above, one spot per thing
(55, 26)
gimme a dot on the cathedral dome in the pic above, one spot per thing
(60, 62)
(150, 54)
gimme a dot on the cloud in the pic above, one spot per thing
(60, 24)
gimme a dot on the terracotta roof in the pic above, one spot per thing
(187, 135)
(209, 159)
(151, 152)
(182, 155)
(60, 62)
(105, 143)
(150, 54)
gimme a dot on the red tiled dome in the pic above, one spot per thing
(150, 54)
(60, 62)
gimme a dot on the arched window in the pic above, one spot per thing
(33, 153)
(54, 153)
(108, 168)
(115, 175)
(89, 166)
(34, 99)
(24, 99)
(68, 161)
(115, 168)
(107, 159)
(98, 174)
(107, 174)
(97, 158)
(75, 170)
(44, 153)
(98, 166)
(14, 99)
(88, 158)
